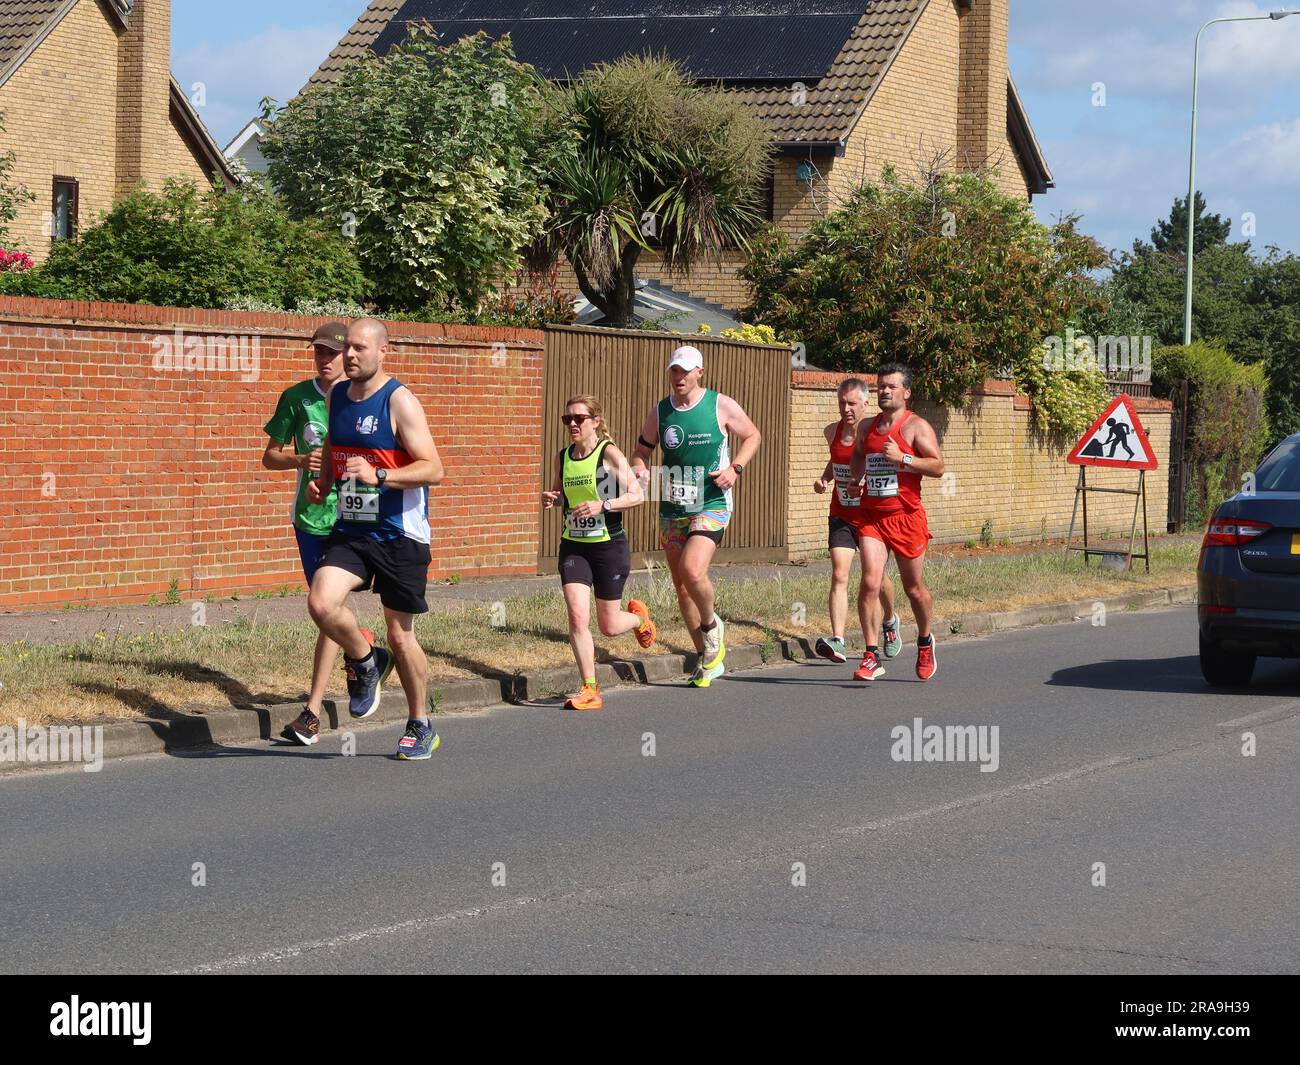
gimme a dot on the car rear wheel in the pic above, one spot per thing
(1225, 669)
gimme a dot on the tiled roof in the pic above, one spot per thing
(21, 23)
(831, 106)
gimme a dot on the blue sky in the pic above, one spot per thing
(1120, 165)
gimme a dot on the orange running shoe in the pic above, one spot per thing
(587, 699)
(646, 632)
(870, 668)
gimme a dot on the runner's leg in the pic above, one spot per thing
(910, 570)
(690, 613)
(874, 556)
(613, 619)
(326, 657)
(327, 604)
(838, 604)
(577, 599)
(412, 665)
(693, 568)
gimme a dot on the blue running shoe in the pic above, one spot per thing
(364, 682)
(418, 742)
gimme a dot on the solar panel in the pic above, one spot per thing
(754, 41)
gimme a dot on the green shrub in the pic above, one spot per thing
(191, 247)
(1227, 417)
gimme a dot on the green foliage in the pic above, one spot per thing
(188, 247)
(641, 157)
(428, 156)
(949, 275)
(12, 194)
(1170, 234)
(1227, 420)
(1242, 302)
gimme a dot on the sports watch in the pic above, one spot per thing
(382, 475)
(738, 467)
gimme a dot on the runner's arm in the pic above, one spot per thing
(630, 488)
(929, 460)
(649, 432)
(858, 465)
(736, 422)
(555, 495)
(413, 433)
(828, 474)
(278, 456)
(319, 488)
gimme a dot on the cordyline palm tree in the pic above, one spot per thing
(639, 157)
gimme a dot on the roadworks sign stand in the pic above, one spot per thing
(1118, 429)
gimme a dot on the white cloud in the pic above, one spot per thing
(1269, 154)
(237, 74)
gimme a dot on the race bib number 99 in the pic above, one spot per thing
(358, 502)
(882, 477)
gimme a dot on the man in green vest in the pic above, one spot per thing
(296, 434)
(691, 425)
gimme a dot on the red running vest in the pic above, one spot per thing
(890, 489)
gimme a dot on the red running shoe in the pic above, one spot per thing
(870, 668)
(925, 664)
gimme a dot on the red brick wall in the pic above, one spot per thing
(124, 475)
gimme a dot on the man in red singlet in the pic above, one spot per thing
(845, 542)
(895, 450)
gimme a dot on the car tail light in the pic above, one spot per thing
(1233, 532)
(1205, 608)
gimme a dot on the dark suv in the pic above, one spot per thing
(1249, 573)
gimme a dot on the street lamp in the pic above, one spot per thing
(1191, 178)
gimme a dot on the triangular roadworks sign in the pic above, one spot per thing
(1116, 440)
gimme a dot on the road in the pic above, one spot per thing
(771, 830)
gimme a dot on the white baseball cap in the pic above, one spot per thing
(688, 358)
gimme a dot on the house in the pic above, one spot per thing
(246, 148)
(91, 110)
(846, 87)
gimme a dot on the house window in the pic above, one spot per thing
(64, 213)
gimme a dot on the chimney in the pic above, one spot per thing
(143, 92)
(982, 103)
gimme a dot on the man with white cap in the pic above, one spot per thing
(691, 425)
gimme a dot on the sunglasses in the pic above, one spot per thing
(576, 419)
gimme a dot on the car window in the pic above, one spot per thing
(1280, 472)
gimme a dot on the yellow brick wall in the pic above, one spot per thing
(60, 111)
(92, 103)
(1001, 471)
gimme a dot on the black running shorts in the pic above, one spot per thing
(603, 566)
(397, 568)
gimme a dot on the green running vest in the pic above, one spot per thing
(583, 481)
(694, 446)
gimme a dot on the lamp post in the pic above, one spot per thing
(1191, 177)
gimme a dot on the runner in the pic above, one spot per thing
(846, 541)
(595, 485)
(895, 450)
(695, 507)
(297, 434)
(380, 453)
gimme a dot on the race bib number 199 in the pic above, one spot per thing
(358, 502)
(585, 528)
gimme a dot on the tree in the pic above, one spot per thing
(12, 194)
(947, 274)
(197, 248)
(642, 157)
(427, 157)
(1170, 234)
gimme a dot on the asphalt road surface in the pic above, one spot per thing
(771, 830)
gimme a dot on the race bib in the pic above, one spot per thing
(882, 477)
(586, 528)
(842, 479)
(358, 502)
(684, 486)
